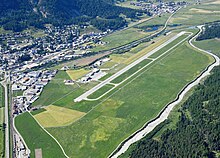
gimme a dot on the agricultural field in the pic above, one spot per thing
(36, 137)
(132, 33)
(197, 14)
(55, 116)
(114, 118)
(121, 38)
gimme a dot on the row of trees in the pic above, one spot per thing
(197, 130)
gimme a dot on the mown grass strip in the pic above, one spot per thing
(100, 92)
(170, 45)
(131, 71)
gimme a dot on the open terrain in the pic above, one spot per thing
(114, 118)
(212, 45)
(132, 33)
(95, 128)
(55, 116)
(36, 137)
(200, 13)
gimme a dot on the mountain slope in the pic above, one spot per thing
(23, 13)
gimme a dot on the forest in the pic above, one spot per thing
(17, 15)
(197, 130)
(210, 31)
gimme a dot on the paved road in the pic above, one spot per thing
(108, 80)
(148, 127)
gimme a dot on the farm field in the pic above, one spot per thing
(36, 137)
(55, 116)
(130, 34)
(197, 14)
(114, 118)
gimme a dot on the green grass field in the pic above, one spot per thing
(112, 119)
(197, 14)
(212, 45)
(131, 71)
(56, 116)
(170, 45)
(55, 90)
(120, 38)
(100, 92)
(77, 74)
(36, 137)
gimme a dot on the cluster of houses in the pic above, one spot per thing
(20, 49)
(158, 8)
(31, 85)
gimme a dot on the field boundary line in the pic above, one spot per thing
(50, 135)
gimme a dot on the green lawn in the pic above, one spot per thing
(131, 71)
(36, 137)
(119, 38)
(101, 91)
(105, 77)
(55, 90)
(212, 45)
(17, 93)
(127, 108)
(170, 45)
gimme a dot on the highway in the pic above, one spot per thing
(108, 80)
(163, 115)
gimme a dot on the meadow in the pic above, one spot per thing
(131, 34)
(55, 90)
(36, 137)
(197, 14)
(114, 118)
(100, 92)
(212, 45)
(55, 116)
